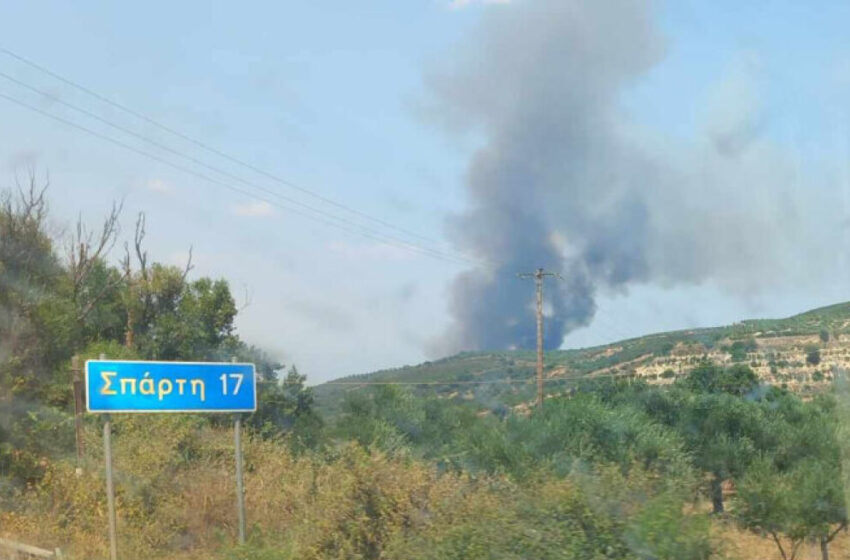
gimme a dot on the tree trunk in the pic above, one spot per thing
(128, 332)
(824, 548)
(128, 336)
(717, 494)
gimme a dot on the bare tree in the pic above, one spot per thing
(137, 285)
(85, 249)
(23, 213)
(249, 299)
(31, 205)
(189, 266)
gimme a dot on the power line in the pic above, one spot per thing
(344, 225)
(209, 148)
(375, 236)
(217, 169)
(371, 234)
(589, 377)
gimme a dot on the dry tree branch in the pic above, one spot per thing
(31, 204)
(189, 266)
(138, 238)
(85, 250)
(25, 212)
(249, 298)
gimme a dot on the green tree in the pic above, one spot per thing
(708, 377)
(383, 418)
(812, 355)
(178, 319)
(36, 336)
(765, 505)
(36, 321)
(574, 431)
(820, 500)
(806, 503)
(286, 407)
(723, 433)
(53, 306)
(794, 490)
(740, 348)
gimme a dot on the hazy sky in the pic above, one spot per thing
(336, 97)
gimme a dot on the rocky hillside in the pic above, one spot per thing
(798, 352)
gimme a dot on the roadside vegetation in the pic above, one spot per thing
(608, 469)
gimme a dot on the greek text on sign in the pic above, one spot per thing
(122, 386)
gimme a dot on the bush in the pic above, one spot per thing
(665, 349)
(740, 348)
(812, 355)
(569, 432)
(708, 377)
(596, 515)
(174, 478)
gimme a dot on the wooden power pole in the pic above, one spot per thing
(538, 276)
(79, 405)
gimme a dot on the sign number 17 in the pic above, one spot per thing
(237, 376)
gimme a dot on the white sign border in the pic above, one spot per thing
(174, 411)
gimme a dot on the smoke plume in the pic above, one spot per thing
(563, 180)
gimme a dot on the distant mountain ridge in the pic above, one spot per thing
(781, 351)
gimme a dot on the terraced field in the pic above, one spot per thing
(798, 352)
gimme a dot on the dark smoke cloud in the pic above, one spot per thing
(562, 180)
(541, 83)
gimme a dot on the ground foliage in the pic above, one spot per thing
(608, 469)
(60, 297)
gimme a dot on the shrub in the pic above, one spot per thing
(738, 379)
(740, 348)
(812, 355)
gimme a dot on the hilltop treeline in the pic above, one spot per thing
(608, 469)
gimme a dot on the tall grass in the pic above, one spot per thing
(175, 496)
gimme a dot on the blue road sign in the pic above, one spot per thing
(122, 386)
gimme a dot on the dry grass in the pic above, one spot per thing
(176, 500)
(176, 497)
(744, 545)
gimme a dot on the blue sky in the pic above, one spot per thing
(332, 97)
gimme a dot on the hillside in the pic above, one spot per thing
(776, 349)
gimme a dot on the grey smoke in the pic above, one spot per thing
(563, 179)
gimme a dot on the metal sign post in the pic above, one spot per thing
(110, 487)
(240, 484)
(150, 387)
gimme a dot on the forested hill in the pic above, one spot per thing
(798, 352)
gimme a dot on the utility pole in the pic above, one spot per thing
(538, 276)
(79, 405)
